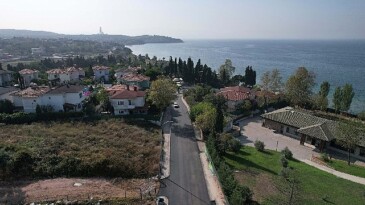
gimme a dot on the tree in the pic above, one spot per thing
(226, 71)
(289, 186)
(337, 99)
(6, 106)
(4, 161)
(325, 89)
(276, 84)
(265, 81)
(204, 114)
(250, 76)
(299, 87)
(347, 96)
(348, 136)
(162, 92)
(246, 105)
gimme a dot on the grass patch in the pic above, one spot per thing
(316, 186)
(108, 148)
(342, 166)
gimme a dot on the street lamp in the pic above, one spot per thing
(167, 122)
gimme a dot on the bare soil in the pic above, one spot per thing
(62, 189)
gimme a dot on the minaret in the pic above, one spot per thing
(101, 31)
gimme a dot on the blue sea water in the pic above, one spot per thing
(339, 62)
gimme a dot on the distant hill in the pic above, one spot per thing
(126, 40)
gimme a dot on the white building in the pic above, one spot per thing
(124, 71)
(101, 73)
(127, 100)
(67, 75)
(6, 77)
(63, 98)
(28, 75)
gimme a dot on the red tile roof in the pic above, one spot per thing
(135, 77)
(32, 92)
(126, 94)
(234, 95)
(27, 71)
(65, 70)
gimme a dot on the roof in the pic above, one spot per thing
(135, 77)
(4, 90)
(66, 89)
(126, 94)
(56, 71)
(306, 123)
(237, 89)
(101, 68)
(32, 92)
(5, 72)
(65, 70)
(121, 87)
(234, 95)
(27, 71)
(129, 69)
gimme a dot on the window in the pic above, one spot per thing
(55, 76)
(120, 102)
(287, 129)
(129, 102)
(49, 97)
(80, 94)
(100, 72)
(362, 151)
(121, 111)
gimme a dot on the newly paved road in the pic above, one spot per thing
(186, 183)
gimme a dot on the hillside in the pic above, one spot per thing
(126, 40)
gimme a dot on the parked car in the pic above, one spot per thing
(176, 105)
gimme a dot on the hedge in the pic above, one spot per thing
(22, 118)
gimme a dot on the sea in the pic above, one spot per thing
(336, 61)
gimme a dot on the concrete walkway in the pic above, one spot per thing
(336, 173)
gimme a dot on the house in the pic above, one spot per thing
(29, 98)
(101, 73)
(123, 71)
(127, 99)
(6, 77)
(236, 95)
(5, 92)
(63, 98)
(67, 75)
(28, 75)
(310, 130)
(142, 81)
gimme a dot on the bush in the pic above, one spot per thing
(234, 145)
(284, 161)
(285, 172)
(259, 145)
(325, 157)
(287, 153)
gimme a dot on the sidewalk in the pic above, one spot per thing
(165, 164)
(336, 173)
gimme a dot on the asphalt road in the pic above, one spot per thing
(186, 184)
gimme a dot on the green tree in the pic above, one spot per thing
(325, 89)
(162, 92)
(276, 84)
(348, 136)
(299, 87)
(265, 81)
(6, 106)
(4, 162)
(226, 71)
(246, 105)
(337, 99)
(347, 96)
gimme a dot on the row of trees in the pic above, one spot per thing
(299, 90)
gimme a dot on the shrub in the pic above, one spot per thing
(284, 161)
(287, 153)
(285, 172)
(325, 157)
(240, 195)
(259, 145)
(234, 145)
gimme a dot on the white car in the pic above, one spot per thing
(176, 105)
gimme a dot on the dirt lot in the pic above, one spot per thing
(71, 189)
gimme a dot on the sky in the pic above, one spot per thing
(192, 19)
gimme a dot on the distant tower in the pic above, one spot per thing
(101, 31)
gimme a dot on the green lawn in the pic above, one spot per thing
(343, 167)
(260, 171)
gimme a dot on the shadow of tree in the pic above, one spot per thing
(12, 193)
(247, 163)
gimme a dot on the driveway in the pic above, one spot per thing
(186, 183)
(251, 130)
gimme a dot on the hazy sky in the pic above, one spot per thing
(188, 19)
